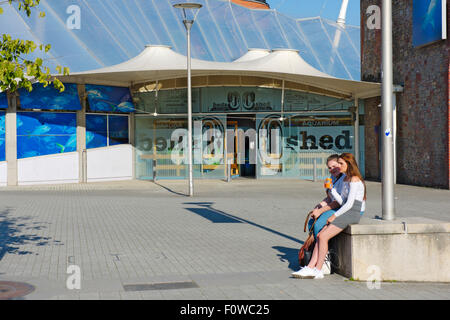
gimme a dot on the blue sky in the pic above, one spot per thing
(328, 9)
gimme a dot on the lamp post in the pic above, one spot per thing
(190, 11)
(387, 175)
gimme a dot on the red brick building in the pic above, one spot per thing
(423, 108)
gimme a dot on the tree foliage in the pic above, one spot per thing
(19, 72)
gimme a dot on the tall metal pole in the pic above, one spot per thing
(188, 25)
(387, 175)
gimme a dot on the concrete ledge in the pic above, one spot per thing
(407, 249)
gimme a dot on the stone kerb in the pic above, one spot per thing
(406, 249)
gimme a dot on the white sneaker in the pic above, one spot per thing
(305, 272)
(318, 274)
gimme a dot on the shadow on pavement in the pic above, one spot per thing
(217, 216)
(290, 255)
(12, 234)
(213, 216)
(170, 190)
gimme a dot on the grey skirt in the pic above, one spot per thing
(352, 216)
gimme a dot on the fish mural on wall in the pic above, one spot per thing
(40, 133)
(3, 100)
(96, 131)
(49, 98)
(2, 136)
(427, 21)
(109, 99)
(429, 17)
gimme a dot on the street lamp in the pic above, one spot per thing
(190, 11)
(387, 174)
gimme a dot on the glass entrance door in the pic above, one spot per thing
(233, 154)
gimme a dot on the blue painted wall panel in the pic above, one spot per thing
(96, 131)
(43, 133)
(109, 99)
(48, 98)
(2, 136)
(3, 101)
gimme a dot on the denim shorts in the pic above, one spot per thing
(321, 222)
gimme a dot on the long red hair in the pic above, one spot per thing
(352, 168)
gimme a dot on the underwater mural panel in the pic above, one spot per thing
(49, 98)
(2, 136)
(428, 21)
(3, 100)
(109, 99)
(96, 131)
(44, 133)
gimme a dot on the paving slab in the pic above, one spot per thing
(236, 240)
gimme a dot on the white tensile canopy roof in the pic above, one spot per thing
(253, 54)
(161, 63)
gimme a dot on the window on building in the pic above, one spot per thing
(106, 130)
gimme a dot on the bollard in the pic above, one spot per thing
(228, 170)
(154, 169)
(315, 170)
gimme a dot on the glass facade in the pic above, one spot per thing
(263, 132)
(259, 126)
(103, 130)
(161, 145)
(80, 30)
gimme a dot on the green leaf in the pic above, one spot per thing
(15, 70)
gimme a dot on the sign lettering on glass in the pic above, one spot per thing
(239, 99)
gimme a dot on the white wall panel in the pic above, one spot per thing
(110, 163)
(3, 173)
(57, 168)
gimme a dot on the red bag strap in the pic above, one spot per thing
(306, 223)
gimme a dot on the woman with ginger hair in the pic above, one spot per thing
(350, 212)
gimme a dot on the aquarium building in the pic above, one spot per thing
(273, 96)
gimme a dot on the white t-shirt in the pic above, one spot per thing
(356, 192)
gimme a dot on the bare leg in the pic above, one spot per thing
(315, 255)
(325, 235)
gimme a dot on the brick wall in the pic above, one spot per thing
(423, 122)
(372, 121)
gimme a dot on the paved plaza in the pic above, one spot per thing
(146, 240)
